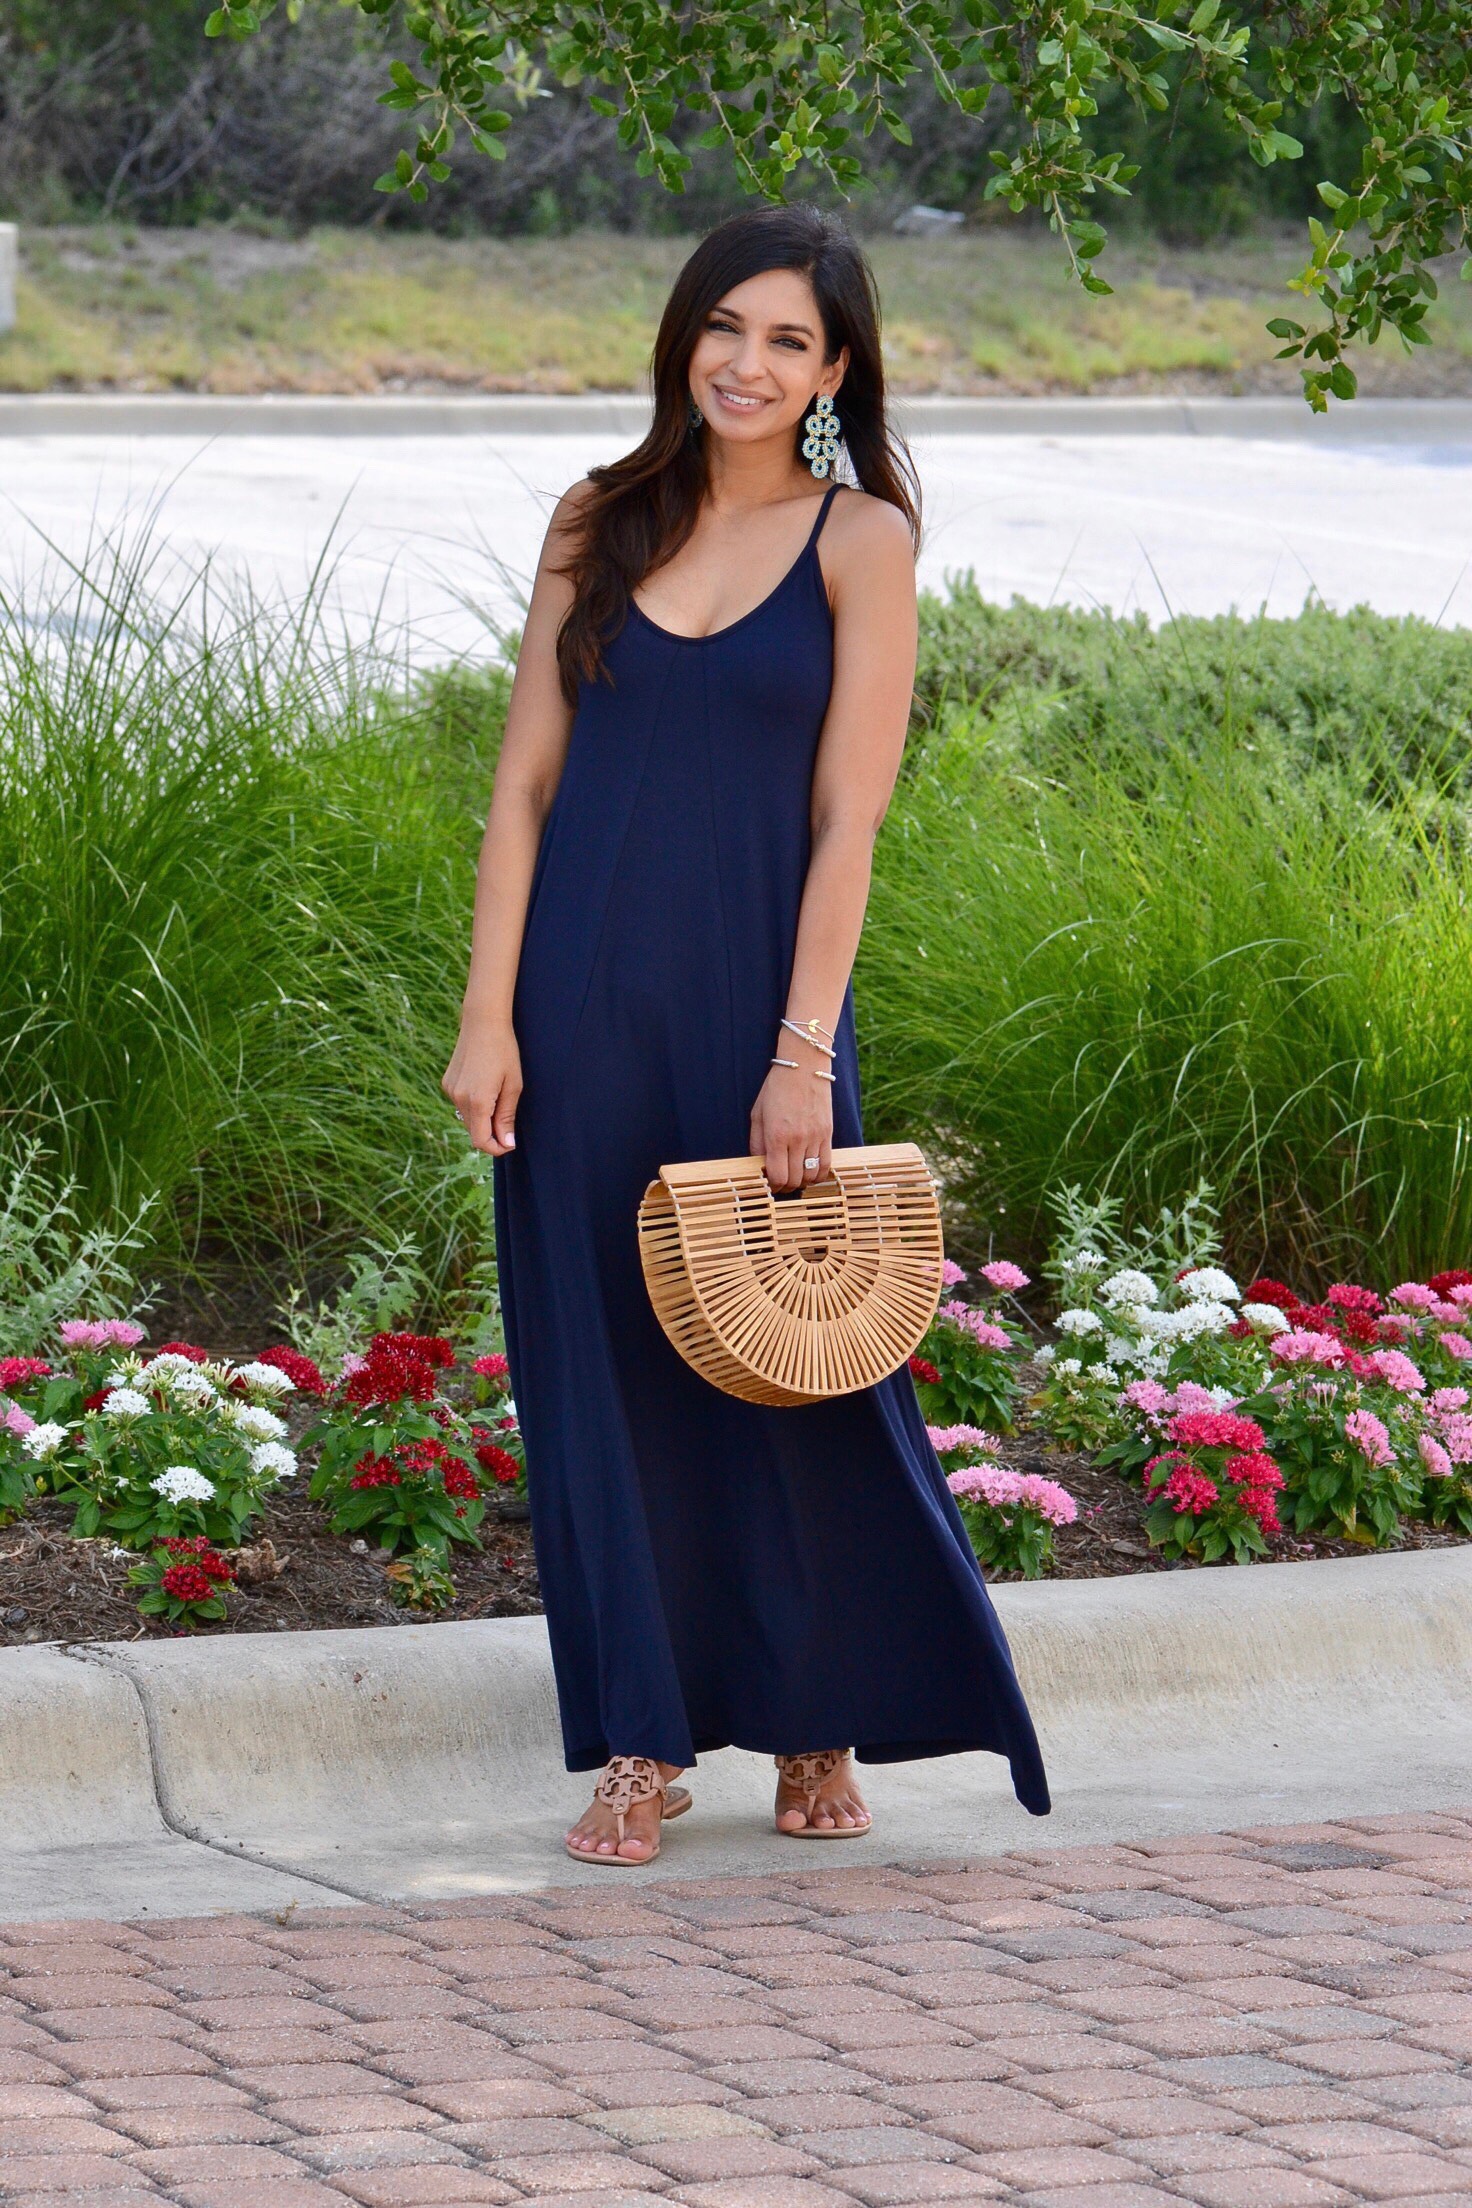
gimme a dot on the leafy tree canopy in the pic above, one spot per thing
(786, 87)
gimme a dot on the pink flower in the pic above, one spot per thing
(1049, 1500)
(1005, 1278)
(1301, 1347)
(1456, 1345)
(1447, 1399)
(13, 1420)
(1147, 1396)
(1415, 1296)
(123, 1333)
(1391, 1327)
(1434, 1458)
(1456, 1436)
(84, 1333)
(1191, 1396)
(1461, 1295)
(943, 1439)
(1397, 1371)
(950, 1272)
(1193, 1491)
(989, 1336)
(1370, 1437)
(987, 1483)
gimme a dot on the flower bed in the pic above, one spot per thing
(1174, 1422)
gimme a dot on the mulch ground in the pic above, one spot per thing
(1274, 2018)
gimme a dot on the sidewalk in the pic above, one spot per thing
(1278, 2018)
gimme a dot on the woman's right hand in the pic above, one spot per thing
(483, 1082)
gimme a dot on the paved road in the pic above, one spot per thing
(438, 531)
(1279, 2018)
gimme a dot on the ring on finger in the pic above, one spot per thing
(812, 1164)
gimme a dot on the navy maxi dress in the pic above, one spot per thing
(713, 1571)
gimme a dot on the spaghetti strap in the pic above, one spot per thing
(822, 516)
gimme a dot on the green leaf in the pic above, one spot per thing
(1203, 17)
(1331, 195)
(1281, 327)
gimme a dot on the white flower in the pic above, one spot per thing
(1080, 1322)
(123, 1375)
(1129, 1287)
(192, 1387)
(167, 1361)
(269, 1378)
(261, 1425)
(1045, 1355)
(181, 1483)
(1068, 1365)
(1087, 1261)
(1200, 1318)
(508, 1408)
(268, 1460)
(44, 1440)
(125, 1403)
(1104, 1372)
(1266, 1318)
(1209, 1284)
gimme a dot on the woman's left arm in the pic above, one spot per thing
(871, 586)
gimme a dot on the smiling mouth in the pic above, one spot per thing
(744, 402)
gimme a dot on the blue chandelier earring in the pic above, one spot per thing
(820, 446)
(696, 417)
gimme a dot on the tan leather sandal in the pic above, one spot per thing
(809, 1772)
(624, 1781)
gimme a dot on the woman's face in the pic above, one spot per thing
(758, 361)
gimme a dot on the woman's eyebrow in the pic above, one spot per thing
(803, 329)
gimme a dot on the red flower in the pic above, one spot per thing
(1272, 1291)
(499, 1462)
(433, 1348)
(461, 1482)
(376, 1472)
(391, 1370)
(299, 1369)
(188, 1583)
(95, 1402)
(196, 1548)
(19, 1372)
(191, 1350)
(1351, 1298)
(922, 1369)
(1257, 1503)
(1191, 1490)
(494, 1367)
(1255, 1471)
(1214, 1430)
(1443, 1283)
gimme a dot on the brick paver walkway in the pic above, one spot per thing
(1271, 2019)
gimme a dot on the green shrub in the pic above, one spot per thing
(1133, 946)
(236, 879)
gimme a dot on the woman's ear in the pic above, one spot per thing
(834, 372)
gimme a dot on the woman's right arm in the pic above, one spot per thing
(483, 1078)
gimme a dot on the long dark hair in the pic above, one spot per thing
(643, 508)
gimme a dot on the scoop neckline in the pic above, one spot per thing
(678, 636)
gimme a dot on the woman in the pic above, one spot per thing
(708, 716)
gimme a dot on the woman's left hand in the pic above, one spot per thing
(792, 1121)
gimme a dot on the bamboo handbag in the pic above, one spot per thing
(790, 1300)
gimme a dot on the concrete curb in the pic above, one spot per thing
(423, 1762)
(1425, 422)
